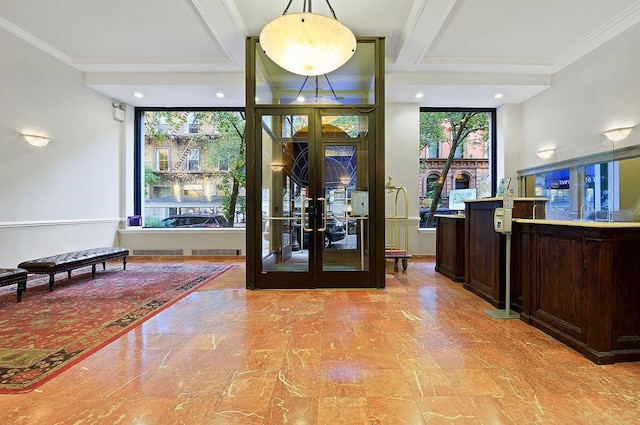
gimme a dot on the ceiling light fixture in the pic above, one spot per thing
(498, 95)
(545, 153)
(38, 141)
(308, 43)
(419, 95)
(617, 134)
(220, 94)
(138, 94)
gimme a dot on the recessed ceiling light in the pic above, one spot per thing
(138, 94)
(419, 95)
(498, 95)
(220, 94)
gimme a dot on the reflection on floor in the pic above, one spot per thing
(420, 351)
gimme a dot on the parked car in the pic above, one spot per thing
(195, 220)
(335, 232)
(424, 215)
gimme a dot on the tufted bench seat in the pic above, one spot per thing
(11, 276)
(74, 260)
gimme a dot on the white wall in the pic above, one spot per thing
(402, 135)
(228, 241)
(596, 93)
(509, 143)
(66, 195)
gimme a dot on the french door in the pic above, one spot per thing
(314, 180)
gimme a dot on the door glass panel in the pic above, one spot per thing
(284, 190)
(346, 191)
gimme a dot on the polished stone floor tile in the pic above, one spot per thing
(386, 383)
(393, 410)
(421, 351)
(293, 410)
(448, 410)
(343, 411)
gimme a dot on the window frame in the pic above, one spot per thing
(190, 160)
(158, 161)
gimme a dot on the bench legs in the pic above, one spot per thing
(52, 278)
(22, 286)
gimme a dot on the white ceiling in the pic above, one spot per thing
(455, 52)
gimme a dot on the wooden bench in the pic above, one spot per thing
(11, 276)
(74, 260)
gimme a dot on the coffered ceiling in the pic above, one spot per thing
(183, 52)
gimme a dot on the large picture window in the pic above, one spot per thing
(179, 156)
(456, 152)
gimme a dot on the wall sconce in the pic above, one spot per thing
(308, 43)
(277, 167)
(617, 134)
(545, 153)
(34, 140)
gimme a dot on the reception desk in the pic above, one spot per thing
(580, 283)
(485, 259)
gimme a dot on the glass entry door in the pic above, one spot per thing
(314, 199)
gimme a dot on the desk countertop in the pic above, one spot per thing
(582, 223)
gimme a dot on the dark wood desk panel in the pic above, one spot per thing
(485, 257)
(450, 246)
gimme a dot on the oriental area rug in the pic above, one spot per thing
(47, 332)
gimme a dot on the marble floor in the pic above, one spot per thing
(421, 351)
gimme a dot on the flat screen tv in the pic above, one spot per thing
(458, 196)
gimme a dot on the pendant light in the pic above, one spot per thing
(308, 43)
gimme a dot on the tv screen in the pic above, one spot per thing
(458, 196)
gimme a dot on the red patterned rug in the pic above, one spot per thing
(48, 332)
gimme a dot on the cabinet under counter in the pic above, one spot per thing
(450, 246)
(485, 259)
(580, 283)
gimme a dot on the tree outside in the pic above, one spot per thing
(229, 155)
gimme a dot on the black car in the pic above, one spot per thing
(195, 220)
(335, 232)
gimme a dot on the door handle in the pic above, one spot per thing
(324, 215)
(303, 211)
